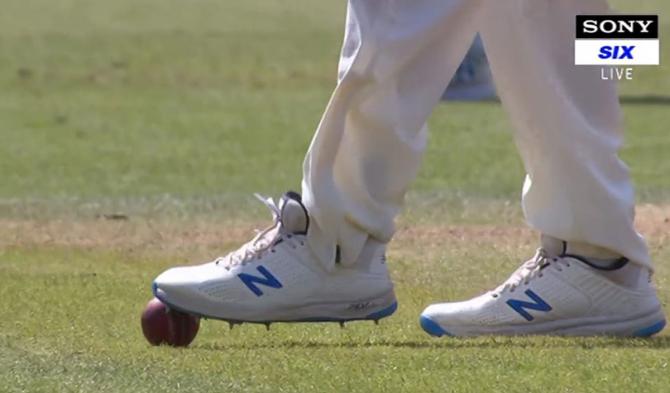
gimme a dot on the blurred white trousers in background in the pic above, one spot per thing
(397, 58)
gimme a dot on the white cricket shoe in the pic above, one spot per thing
(555, 295)
(276, 278)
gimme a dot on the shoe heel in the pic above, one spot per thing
(650, 330)
(383, 313)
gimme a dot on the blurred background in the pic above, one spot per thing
(173, 107)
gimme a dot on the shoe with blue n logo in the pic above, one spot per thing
(275, 277)
(556, 293)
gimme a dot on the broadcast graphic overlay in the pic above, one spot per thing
(617, 42)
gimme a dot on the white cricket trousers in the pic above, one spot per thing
(399, 55)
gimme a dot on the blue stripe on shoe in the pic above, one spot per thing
(375, 316)
(431, 327)
(386, 312)
(650, 330)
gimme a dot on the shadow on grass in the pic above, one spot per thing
(646, 100)
(649, 99)
(654, 343)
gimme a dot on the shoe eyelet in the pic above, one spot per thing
(273, 250)
(302, 243)
(495, 295)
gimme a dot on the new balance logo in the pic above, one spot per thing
(267, 279)
(520, 306)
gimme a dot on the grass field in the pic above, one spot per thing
(172, 113)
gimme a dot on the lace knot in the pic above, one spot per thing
(529, 270)
(264, 241)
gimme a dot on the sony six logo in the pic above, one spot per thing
(617, 40)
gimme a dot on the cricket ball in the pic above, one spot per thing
(162, 325)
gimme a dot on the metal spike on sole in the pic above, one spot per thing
(267, 326)
(376, 321)
(342, 324)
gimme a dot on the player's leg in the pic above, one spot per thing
(397, 58)
(592, 274)
(396, 61)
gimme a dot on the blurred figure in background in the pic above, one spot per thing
(473, 80)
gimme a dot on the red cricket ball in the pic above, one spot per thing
(162, 325)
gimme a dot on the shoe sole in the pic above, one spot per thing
(387, 306)
(640, 326)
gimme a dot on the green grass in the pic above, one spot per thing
(174, 112)
(215, 100)
(74, 326)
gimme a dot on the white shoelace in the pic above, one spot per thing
(531, 269)
(264, 241)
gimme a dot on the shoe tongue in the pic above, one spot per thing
(293, 214)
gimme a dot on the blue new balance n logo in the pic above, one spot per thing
(267, 279)
(520, 306)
